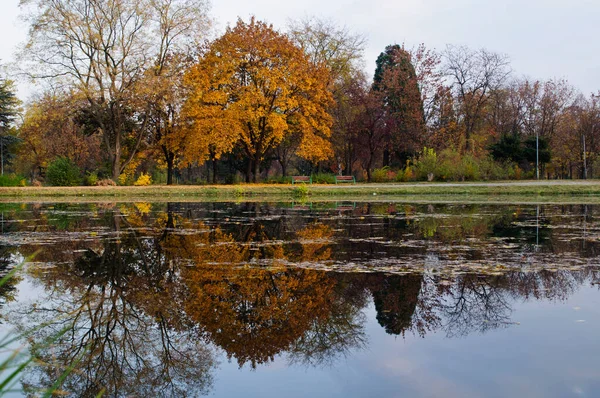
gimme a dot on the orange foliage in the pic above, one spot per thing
(252, 312)
(254, 88)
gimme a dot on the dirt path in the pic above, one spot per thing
(474, 184)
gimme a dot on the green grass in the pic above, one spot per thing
(317, 191)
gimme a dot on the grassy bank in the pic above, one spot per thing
(529, 189)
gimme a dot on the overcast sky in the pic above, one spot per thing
(543, 38)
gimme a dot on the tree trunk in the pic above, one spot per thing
(283, 168)
(116, 160)
(369, 167)
(468, 146)
(116, 169)
(256, 168)
(170, 159)
(248, 169)
(349, 163)
(214, 170)
(170, 167)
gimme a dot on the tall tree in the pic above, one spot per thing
(341, 52)
(396, 79)
(373, 128)
(254, 88)
(179, 26)
(473, 75)
(9, 109)
(325, 43)
(103, 49)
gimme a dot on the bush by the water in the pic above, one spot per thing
(451, 165)
(384, 174)
(62, 172)
(91, 179)
(323, 178)
(12, 180)
(143, 180)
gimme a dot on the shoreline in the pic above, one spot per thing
(502, 191)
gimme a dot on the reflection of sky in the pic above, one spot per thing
(550, 353)
(27, 292)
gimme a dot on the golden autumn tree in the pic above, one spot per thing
(254, 88)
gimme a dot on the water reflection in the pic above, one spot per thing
(146, 297)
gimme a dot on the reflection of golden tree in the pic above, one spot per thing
(255, 313)
(252, 312)
(315, 240)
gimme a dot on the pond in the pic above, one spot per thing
(321, 299)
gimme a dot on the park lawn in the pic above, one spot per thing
(362, 191)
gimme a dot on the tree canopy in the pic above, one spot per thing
(254, 88)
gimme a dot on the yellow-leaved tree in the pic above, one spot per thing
(254, 88)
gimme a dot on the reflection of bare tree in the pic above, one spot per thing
(474, 305)
(119, 329)
(327, 339)
(460, 304)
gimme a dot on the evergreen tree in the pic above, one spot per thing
(9, 109)
(396, 79)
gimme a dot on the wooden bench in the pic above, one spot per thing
(345, 179)
(303, 179)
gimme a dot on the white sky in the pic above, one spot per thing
(543, 38)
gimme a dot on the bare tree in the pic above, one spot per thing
(326, 43)
(103, 48)
(473, 74)
(179, 25)
(341, 51)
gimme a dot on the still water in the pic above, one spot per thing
(334, 299)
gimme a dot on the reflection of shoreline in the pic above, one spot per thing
(497, 200)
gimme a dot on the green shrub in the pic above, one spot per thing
(91, 179)
(469, 168)
(63, 173)
(492, 170)
(323, 178)
(408, 174)
(12, 180)
(278, 180)
(451, 165)
(383, 174)
(427, 164)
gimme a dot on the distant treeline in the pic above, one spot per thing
(136, 92)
